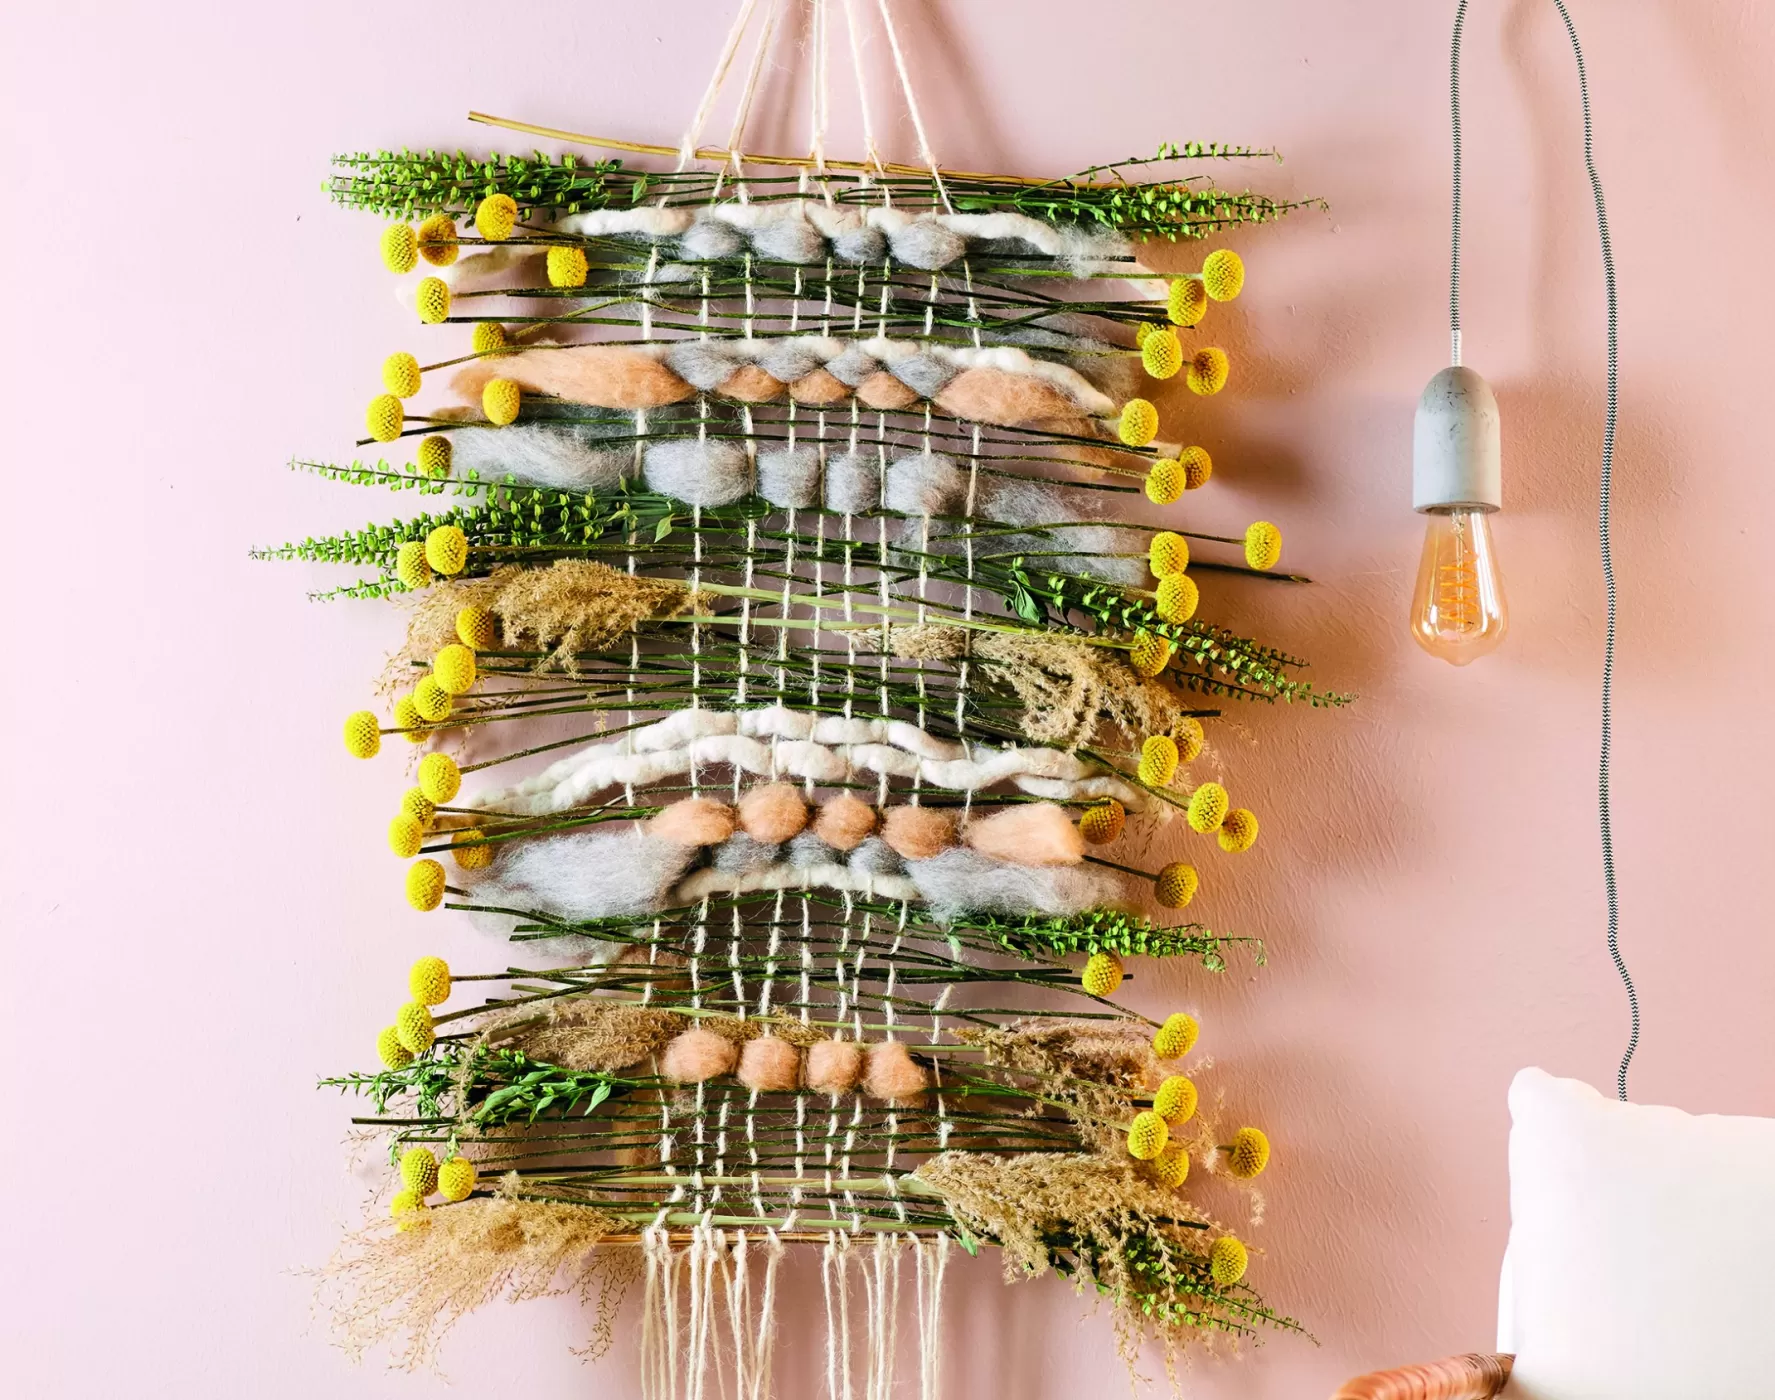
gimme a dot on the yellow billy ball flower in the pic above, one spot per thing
(1197, 466)
(446, 549)
(1208, 806)
(409, 1210)
(471, 850)
(1103, 823)
(1164, 481)
(454, 668)
(408, 720)
(1187, 301)
(400, 248)
(425, 891)
(1177, 1037)
(437, 240)
(1239, 831)
(1102, 974)
(1227, 1261)
(1158, 761)
(477, 627)
(1139, 423)
(431, 700)
(384, 418)
(439, 777)
(1177, 598)
(489, 339)
(1263, 545)
(496, 216)
(400, 375)
(1248, 1154)
(410, 566)
(435, 453)
(1223, 274)
(456, 1179)
(1167, 554)
(363, 735)
(1171, 1167)
(405, 836)
(419, 1171)
(413, 1025)
(390, 1051)
(1151, 653)
(1208, 371)
(1177, 885)
(418, 806)
(1161, 355)
(567, 266)
(428, 980)
(500, 401)
(1189, 736)
(433, 300)
(1176, 1100)
(1147, 1136)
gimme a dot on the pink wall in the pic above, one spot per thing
(199, 911)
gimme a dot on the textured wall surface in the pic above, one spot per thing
(199, 912)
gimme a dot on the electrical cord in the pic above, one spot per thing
(1602, 495)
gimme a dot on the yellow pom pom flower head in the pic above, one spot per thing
(408, 720)
(454, 668)
(410, 566)
(478, 627)
(418, 806)
(1177, 1037)
(390, 1051)
(409, 1210)
(1164, 481)
(1102, 975)
(1158, 761)
(1171, 1167)
(489, 339)
(400, 375)
(431, 700)
(1187, 302)
(500, 401)
(384, 418)
(1208, 806)
(567, 266)
(400, 248)
(419, 1171)
(363, 735)
(1177, 598)
(1208, 371)
(1239, 831)
(413, 1026)
(1263, 545)
(1248, 1153)
(1139, 423)
(1227, 1261)
(428, 981)
(1161, 354)
(496, 216)
(456, 1179)
(439, 777)
(1176, 1100)
(437, 240)
(1223, 274)
(471, 850)
(1151, 653)
(1197, 466)
(435, 454)
(433, 300)
(1189, 736)
(405, 836)
(1147, 1136)
(1167, 554)
(1142, 331)
(1103, 823)
(446, 550)
(1176, 885)
(425, 891)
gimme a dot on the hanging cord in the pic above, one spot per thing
(1602, 494)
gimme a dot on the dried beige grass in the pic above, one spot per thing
(579, 605)
(589, 1033)
(1093, 1068)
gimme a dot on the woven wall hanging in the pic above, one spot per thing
(784, 659)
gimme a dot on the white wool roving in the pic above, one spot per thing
(582, 874)
(961, 881)
(789, 477)
(698, 471)
(540, 454)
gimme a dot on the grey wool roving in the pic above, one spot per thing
(699, 471)
(786, 360)
(961, 880)
(927, 244)
(741, 854)
(791, 241)
(924, 374)
(709, 239)
(876, 857)
(852, 365)
(807, 849)
(860, 245)
(540, 454)
(853, 482)
(790, 476)
(926, 484)
(580, 875)
(701, 363)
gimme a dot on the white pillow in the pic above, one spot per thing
(1641, 1263)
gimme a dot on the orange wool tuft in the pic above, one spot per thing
(1034, 833)
(750, 384)
(995, 396)
(696, 821)
(603, 376)
(697, 1055)
(820, 387)
(773, 813)
(882, 391)
(843, 822)
(918, 833)
(770, 1065)
(891, 1074)
(834, 1066)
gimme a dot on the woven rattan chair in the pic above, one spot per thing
(1470, 1377)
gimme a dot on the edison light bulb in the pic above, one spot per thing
(1457, 612)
